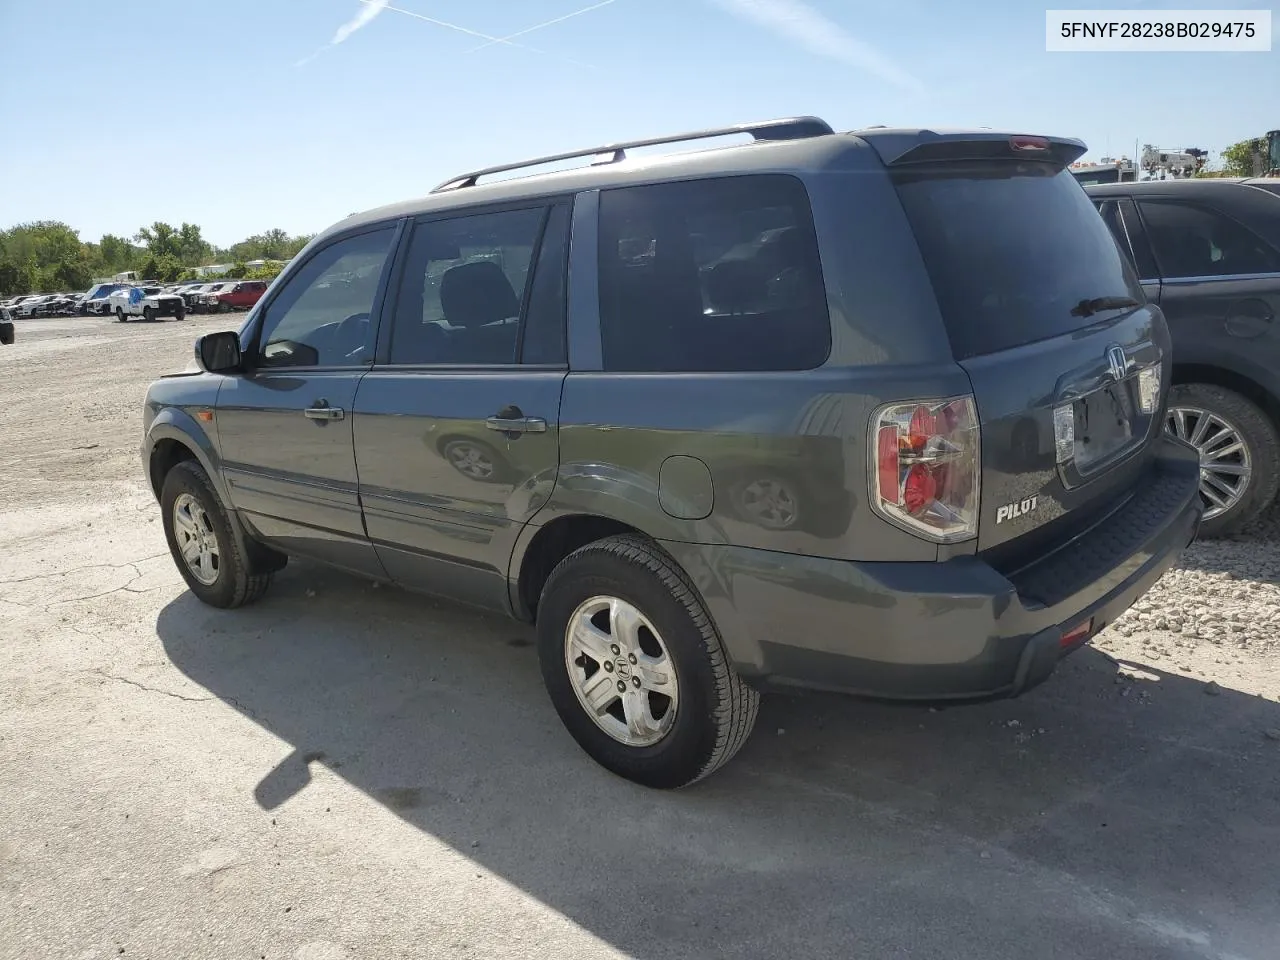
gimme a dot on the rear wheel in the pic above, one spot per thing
(1239, 453)
(202, 543)
(635, 668)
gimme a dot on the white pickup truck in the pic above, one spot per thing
(149, 303)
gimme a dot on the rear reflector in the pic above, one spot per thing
(1076, 634)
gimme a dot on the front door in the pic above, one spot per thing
(456, 426)
(284, 427)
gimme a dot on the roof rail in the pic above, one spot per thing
(790, 128)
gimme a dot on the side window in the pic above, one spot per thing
(1193, 241)
(711, 275)
(321, 315)
(1140, 244)
(543, 339)
(463, 288)
(1121, 218)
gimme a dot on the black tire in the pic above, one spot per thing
(225, 307)
(1259, 434)
(148, 314)
(120, 318)
(716, 708)
(180, 314)
(238, 581)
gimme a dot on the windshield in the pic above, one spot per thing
(1013, 250)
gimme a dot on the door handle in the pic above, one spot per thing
(323, 412)
(517, 424)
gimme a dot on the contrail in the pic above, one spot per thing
(807, 27)
(489, 41)
(540, 26)
(363, 18)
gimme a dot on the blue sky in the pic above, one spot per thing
(242, 115)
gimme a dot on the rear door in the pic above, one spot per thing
(1220, 281)
(1045, 314)
(456, 427)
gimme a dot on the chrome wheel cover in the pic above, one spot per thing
(1226, 465)
(197, 542)
(621, 671)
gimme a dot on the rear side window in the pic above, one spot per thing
(1012, 249)
(711, 275)
(1193, 241)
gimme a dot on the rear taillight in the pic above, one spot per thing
(925, 477)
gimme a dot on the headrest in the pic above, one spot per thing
(473, 294)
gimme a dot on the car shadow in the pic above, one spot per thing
(1123, 814)
(1252, 553)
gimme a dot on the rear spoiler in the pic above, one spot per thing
(908, 147)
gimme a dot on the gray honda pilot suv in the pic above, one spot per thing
(878, 412)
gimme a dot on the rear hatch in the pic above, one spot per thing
(1066, 358)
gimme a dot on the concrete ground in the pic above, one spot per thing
(345, 771)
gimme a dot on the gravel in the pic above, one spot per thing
(1219, 606)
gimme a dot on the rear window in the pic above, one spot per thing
(1011, 249)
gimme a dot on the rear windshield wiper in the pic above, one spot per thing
(1087, 308)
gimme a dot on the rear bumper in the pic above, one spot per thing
(956, 629)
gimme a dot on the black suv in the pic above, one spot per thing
(1208, 252)
(877, 411)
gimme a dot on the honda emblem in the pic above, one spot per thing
(1117, 361)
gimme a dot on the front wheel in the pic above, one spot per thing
(635, 668)
(1239, 453)
(202, 542)
(120, 318)
(224, 307)
(148, 314)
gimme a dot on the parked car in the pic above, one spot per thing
(62, 304)
(237, 296)
(191, 295)
(1208, 252)
(209, 300)
(95, 299)
(38, 306)
(149, 303)
(7, 333)
(880, 313)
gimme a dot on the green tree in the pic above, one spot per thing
(44, 256)
(15, 278)
(275, 244)
(161, 239)
(116, 254)
(1237, 159)
(193, 249)
(165, 268)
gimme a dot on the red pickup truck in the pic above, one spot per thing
(242, 296)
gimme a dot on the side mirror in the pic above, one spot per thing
(6, 332)
(219, 352)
